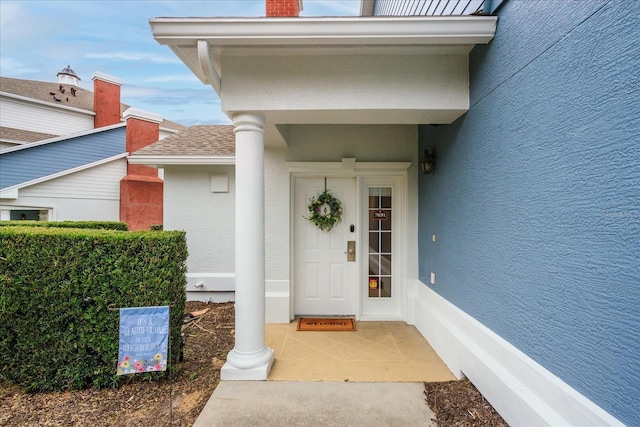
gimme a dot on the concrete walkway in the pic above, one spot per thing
(372, 377)
(297, 403)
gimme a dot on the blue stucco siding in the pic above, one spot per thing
(535, 202)
(17, 167)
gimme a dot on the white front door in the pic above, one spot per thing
(325, 282)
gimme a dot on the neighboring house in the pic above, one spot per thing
(516, 258)
(63, 152)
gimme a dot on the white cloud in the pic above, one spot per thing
(9, 12)
(19, 25)
(12, 67)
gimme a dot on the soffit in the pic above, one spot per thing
(315, 36)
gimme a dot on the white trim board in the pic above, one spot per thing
(10, 192)
(161, 160)
(348, 167)
(62, 138)
(220, 287)
(520, 389)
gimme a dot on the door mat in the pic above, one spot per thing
(326, 324)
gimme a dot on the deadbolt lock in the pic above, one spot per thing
(351, 251)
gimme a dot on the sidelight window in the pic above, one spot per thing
(380, 247)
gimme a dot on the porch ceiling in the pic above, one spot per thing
(211, 47)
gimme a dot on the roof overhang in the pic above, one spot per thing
(160, 160)
(201, 42)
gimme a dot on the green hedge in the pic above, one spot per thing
(98, 225)
(56, 331)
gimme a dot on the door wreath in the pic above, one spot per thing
(325, 211)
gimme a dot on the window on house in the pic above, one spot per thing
(380, 279)
(28, 214)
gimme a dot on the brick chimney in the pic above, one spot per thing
(141, 191)
(284, 8)
(106, 100)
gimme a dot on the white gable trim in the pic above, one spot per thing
(63, 138)
(12, 192)
(168, 130)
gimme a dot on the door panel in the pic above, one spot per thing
(324, 282)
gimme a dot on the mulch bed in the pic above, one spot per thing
(208, 339)
(459, 403)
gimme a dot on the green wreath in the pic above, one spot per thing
(325, 211)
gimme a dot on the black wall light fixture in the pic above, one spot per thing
(429, 160)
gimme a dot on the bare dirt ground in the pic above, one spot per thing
(208, 339)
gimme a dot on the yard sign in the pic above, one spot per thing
(144, 338)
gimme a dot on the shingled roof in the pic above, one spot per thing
(73, 96)
(213, 140)
(11, 134)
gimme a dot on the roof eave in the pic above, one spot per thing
(45, 103)
(161, 160)
(339, 31)
(192, 39)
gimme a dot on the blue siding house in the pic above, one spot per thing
(36, 161)
(531, 220)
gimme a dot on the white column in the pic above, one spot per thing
(250, 359)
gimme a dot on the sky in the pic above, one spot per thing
(38, 38)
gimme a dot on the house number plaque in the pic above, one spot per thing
(379, 215)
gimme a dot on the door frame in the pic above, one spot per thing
(350, 168)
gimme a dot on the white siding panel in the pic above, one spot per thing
(100, 182)
(208, 218)
(68, 209)
(24, 115)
